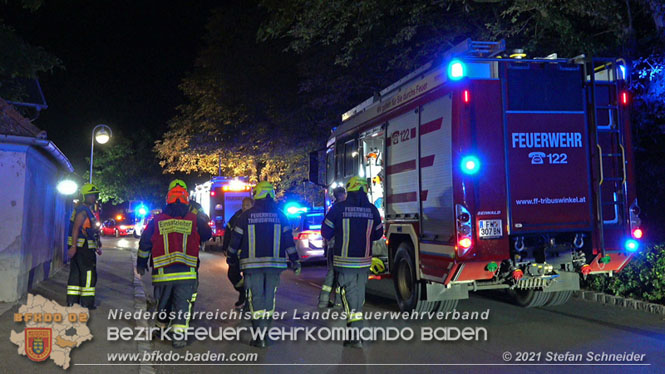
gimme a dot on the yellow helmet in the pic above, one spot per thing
(89, 189)
(263, 190)
(355, 184)
(177, 182)
(377, 266)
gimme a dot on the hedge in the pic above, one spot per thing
(643, 278)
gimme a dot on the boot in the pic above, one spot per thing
(259, 343)
(353, 344)
(323, 299)
(181, 343)
(241, 300)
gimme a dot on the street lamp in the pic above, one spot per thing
(102, 134)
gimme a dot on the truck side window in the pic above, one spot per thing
(350, 158)
(339, 161)
(330, 166)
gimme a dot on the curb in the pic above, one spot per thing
(620, 301)
(140, 304)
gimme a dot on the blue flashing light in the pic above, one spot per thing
(632, 245)
(623, 72)
(141, 210)
(470, 165)
(294, 209)
(456, 70)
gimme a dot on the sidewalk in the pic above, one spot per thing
(115, 276)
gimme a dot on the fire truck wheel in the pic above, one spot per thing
(559, 298)
(531, 298)
(407, 287)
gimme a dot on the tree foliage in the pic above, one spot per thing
(126, 169)
(19, 59)
(240, 108)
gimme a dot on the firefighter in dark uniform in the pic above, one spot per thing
(84, 245)
(354, 223)
(326, 297)
(261, 242)
(234, 273)
(173, 239)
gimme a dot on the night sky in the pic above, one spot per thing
(123, 61)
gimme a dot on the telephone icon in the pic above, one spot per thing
(536, 158)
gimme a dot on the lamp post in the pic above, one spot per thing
(102, 136)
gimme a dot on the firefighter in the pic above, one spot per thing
(201, 216)
(84, 247)
(234, 267)
(326, 297)
(354, 224)
(262, 240)
(173, 240)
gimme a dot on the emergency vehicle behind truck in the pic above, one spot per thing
(494, 172)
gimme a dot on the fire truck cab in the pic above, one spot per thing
(494, 171)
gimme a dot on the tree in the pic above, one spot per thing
(240, 108)
(20, 60)
(126, 169)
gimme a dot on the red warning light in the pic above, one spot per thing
(624, 98)
(212, 193)
(466, 96)
(465, 243)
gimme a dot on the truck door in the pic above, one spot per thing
(547, 148)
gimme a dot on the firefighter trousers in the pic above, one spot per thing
(82, 277)
(352, 283)
(175, 297)
(235, 276)
(330, 282)
(261, 288)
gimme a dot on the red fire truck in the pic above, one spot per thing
(494, 171)
(220, 198)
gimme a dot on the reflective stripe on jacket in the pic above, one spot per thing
(87, 230)
(262, 238)
(175, 240)
(354, 224)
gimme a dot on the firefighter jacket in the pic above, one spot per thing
(198, 211)
(354, 224)
(229, 229)
(88, 232)
(172, 238)
(262, 238)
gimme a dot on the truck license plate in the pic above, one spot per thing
(489, 228)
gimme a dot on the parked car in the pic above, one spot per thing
(112, 228)
(307, 235)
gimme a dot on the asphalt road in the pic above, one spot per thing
(579, 327)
